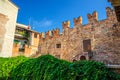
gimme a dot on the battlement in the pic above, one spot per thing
(48, 35)
(110, 13)
(92, 19)
(77, 21)
(66, 24)
(42, 35)
(55, 33)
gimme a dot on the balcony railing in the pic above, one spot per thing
(22, 34)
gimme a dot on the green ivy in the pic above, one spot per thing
(8, 64)
(47, 67)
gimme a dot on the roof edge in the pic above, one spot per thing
(13, 4)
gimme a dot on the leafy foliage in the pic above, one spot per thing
(8, 64)
(49, 68)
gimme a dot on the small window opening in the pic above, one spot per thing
(58, 45)
(35, 35)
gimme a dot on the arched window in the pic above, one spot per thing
(82, 58)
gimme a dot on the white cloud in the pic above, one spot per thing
(47, 23)
(35, 24)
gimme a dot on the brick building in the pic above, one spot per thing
(97, 40)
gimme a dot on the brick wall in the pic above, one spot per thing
(34, 42)
(27, 50)
(16, 52)
(103, 35)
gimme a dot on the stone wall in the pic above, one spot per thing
(16, 52)
(101, 38)
(28, 50)
(34, 42)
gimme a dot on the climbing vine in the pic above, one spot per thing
(48, 67)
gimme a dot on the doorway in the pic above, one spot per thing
(87, 45)
(82, 58)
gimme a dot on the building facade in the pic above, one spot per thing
(97, 40)
(15, 39)
(8, 16)
(26, 41)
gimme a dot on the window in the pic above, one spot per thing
(58, 45)
(35, 35)
(82, 58)
(86, 45)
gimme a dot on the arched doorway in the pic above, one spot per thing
(82, 58)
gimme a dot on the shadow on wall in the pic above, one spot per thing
(3, 21)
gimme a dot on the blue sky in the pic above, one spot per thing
(44, 15)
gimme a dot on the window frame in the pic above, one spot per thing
(58, 45)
